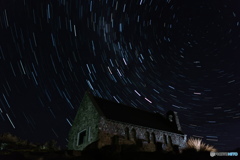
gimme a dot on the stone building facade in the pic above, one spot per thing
(99, 123)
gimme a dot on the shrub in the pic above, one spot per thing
(199, 146)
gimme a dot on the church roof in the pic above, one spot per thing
(123, 113)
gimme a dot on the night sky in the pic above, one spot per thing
(157, 55)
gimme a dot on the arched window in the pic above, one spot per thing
(170, 140)
(147, 137)
(133, 134)
(127, 133)
(153, 138)
(164, 139)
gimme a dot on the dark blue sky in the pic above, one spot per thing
(156, 55)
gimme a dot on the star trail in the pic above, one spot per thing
(157, 55)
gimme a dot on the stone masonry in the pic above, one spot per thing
(148, 136)
(90, 127)
(87, 119)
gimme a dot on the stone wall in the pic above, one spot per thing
(87, 118)
(101, 131)
(132, 133)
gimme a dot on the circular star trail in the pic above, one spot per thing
(157, 55)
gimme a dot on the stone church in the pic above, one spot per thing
(100, 122)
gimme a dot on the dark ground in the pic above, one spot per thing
(108, 154)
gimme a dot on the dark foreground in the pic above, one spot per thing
(106, 155)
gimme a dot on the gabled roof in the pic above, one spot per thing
(123, 113)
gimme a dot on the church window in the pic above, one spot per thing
(127, 133)
(153, 138)
(147, 135)
(133, 134)
(81, 137)
(164, 139)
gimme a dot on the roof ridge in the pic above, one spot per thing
(128, 106)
